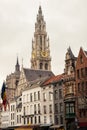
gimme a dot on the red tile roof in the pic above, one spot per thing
(53, 79)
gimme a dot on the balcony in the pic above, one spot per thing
(70, 115)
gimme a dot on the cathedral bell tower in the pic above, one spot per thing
(40, 55)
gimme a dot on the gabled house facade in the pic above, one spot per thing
(81, 87)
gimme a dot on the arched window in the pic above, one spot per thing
(41, 66)
(46, 66)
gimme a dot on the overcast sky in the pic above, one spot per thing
(66, 25)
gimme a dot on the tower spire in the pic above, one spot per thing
(17, 66)
(40, 56)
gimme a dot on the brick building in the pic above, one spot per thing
(81, 87)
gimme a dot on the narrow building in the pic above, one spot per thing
(81, 87)
(69, 88)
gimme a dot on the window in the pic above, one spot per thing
(20, 119)
(44, 96)
(44, 108)
(27, 120)
(35, 109)
(17, 118)
(39, 119)
(51, 121)
(78, 74)
(50, 96)
(50, 108)
(61, 107)
(24, 110)
(41, 66)
(60, 93)
(55, 94)
(38, 108)
(81, 59)
(34, 96)
(79, 87)
(30, 97)
(46, 66)
(83, 87)
(38, 95)
(56, 108)
(31, 109)
(56, 120)
(61, 119)
(67, 108)
(70, 108)
(31, 120)
(82, 72)
(35, 119)
(45, 119)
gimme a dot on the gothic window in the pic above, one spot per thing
(41, 42)
(46, 66)
(41, 66)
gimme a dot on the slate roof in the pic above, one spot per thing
(32, 74)
(71, 54)
(53, 79)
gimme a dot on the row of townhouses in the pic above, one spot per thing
(37, 99)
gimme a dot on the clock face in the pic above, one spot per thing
(44, 53)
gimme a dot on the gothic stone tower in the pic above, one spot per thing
(40, 55)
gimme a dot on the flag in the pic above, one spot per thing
(3, 95)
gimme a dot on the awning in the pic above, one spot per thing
(56, 126)
(44, 125)
(82, 124)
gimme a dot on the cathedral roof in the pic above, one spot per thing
(32, 74)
